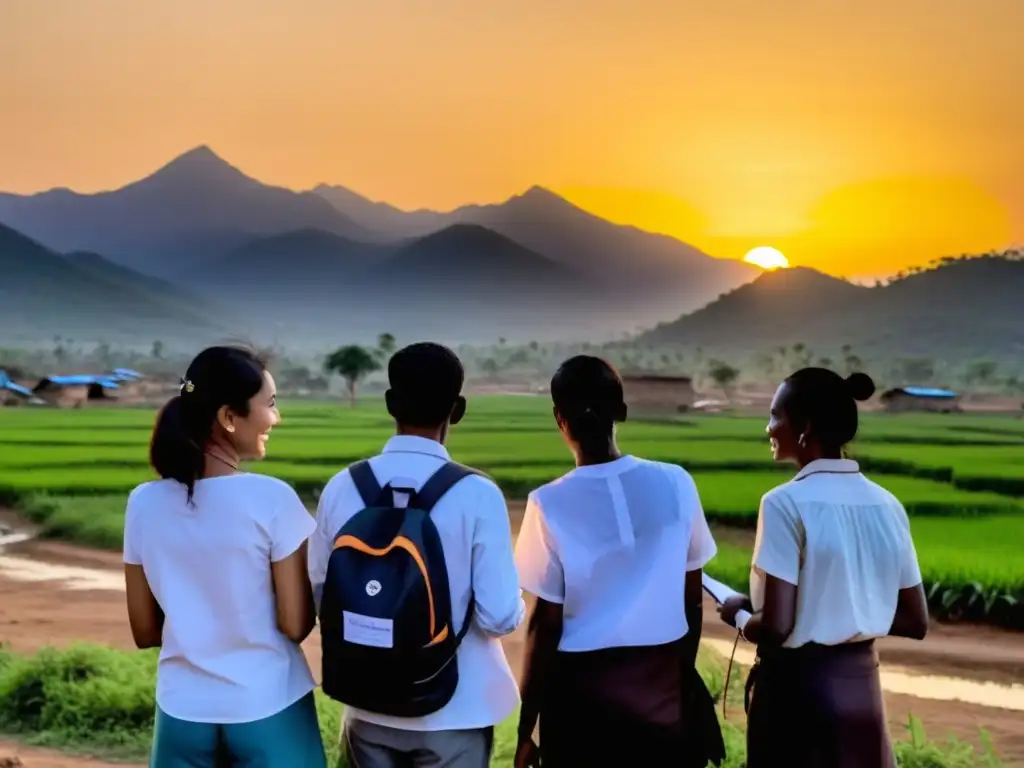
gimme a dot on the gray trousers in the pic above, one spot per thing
(368, 745)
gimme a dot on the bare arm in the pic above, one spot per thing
(144, 613)
(543, 634)
(293, 595)
(775, 621)
(911, 619)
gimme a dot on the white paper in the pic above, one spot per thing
(719, 591)
(368, 630)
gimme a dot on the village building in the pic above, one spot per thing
(73, 391)
(926, 399)
(652, 393)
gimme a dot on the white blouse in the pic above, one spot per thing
(845, 542)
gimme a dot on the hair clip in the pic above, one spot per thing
(186, 385)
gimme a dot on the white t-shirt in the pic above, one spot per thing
(612, 543)
(845, 542)
(223, 659)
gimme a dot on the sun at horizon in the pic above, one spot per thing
(766, 257)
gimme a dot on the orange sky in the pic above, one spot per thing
(858, 137)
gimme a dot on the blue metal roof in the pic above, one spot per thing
(928, 392)
(7, 384)
(80, 379)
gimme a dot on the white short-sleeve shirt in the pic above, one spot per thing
(845, 542)
(223, 659)
(612, 543)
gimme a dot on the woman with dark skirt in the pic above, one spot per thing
(834, 567)
(613, 552)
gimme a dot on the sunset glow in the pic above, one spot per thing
(875, 159)
(766, 257)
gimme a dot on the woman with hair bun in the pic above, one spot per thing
(834, 567)
(215, 572)
(614, 553)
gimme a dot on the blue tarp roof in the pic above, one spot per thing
(10, 385)
(928, 392)
(6, 383)
(126, 374)
(80, 379)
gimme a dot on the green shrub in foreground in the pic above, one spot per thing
(93, 698)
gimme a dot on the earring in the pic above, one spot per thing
(231, 429)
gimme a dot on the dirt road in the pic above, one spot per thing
(55, 594)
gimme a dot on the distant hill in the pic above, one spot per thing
(292, 262)
(665, 274)
(161, 290)
(467, 256)
(167, 223)
(43, 294)
(957, 311)
(463, 283)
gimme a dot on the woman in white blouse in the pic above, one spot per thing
(614, 552)
(834, 567)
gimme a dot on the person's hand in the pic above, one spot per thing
(728, 609)
(527, 755)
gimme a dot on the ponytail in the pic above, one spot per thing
(217, 377)
(173, 453)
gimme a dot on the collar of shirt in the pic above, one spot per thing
(607, 469)
(846, 466)
(416, 444)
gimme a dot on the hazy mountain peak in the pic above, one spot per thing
(200, 165)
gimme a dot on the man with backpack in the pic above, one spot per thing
(414, 581)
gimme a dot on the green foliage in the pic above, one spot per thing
(94, 698)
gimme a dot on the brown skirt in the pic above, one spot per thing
(817, 707)
(628, 707)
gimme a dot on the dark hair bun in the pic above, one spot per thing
(860, 386)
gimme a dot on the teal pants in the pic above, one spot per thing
(289, 739)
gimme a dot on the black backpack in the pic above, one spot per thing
(385, 613)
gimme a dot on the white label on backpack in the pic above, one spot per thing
(368, 630)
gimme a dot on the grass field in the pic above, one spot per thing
(96, 699)
(961, 477)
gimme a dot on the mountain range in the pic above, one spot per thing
(199, 250)
(320, 260)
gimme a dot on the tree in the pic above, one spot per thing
(490, 367)
(352, 363)
(157, 351)
(386, 344)
(724, 375)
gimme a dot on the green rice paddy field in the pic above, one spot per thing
(961, 477)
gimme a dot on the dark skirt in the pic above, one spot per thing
(642, 706)
(817, 707)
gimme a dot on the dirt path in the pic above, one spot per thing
(36, 610)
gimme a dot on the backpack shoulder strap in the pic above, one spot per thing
(366, 482)
(439, 483)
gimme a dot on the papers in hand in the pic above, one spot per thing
(719, 591)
